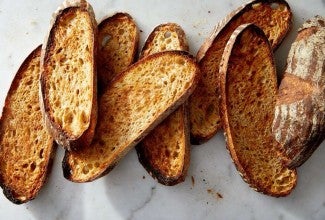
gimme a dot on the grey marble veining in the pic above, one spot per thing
(213, 189)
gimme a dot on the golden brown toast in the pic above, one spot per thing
(26, 147)
(273, 16)
(165, 151)
(118, 39)
(248, 86)
(68, 75)
(134, 103)
(299, 123)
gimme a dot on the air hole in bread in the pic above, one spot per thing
(85, 170)
(167, 34)
(57, 103)
(41, 153)
(121, 31)
(106, 39)
(275, 5)
(83, 117)
(180, 61)
(101, 142)
(68, 117)
(59, 50)
(25, 165)
(33, 166)
(77, 91)
(81, 61)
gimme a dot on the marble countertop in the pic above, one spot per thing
(213, 188)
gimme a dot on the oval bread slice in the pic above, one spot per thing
(68, 75)
(118, 39)
(135, 102)
(165, 151)
(248, 86)
(26, 147)
(273, 16)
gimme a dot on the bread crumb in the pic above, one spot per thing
(143, 177)
(215, 194)
(193, 180)
(34, 23)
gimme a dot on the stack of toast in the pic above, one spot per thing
(87, 90)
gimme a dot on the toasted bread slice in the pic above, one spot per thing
(299, 122)
(68, 75)
(118, 39)
(26, 147)
(273, 16)
(134, 103)
(248, 86)
(165, 151)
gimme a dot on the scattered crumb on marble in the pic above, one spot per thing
(215, 194)
(34, 23)
(26, 33)
(141, 31)
(207, 203)
(209, 12)
(201, 171)
(193, 180)
(143, 177)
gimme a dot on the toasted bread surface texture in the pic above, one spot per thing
(299, 123)
(68, 75)
(133, 104)
(118, 39)
(248, 85)
(26, 147)
(273, 16)
(165, 151)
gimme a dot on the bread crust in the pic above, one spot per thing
(71, 171)
(62, 137)
(108, 67)
(244, 169)
(204, 111)
(9, 189)
(162, 138)
(299, 122)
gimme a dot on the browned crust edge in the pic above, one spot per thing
(156, 173)
(171, 26)
(224, 117)
(122, 15)
(62, 137)
(234, 15)
(7, 191)
(67, 167)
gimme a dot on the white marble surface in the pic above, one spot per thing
(128, 192)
